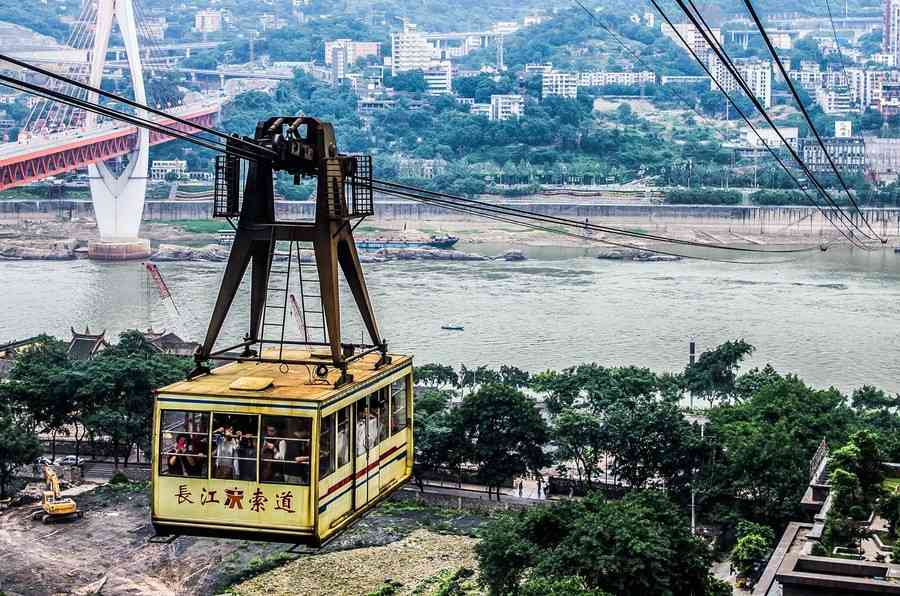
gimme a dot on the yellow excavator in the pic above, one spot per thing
(55, 508)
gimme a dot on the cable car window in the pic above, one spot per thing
(326, 446)
(362, 426)
(285, 449)
(383, 412)
(183, 438)
(233, 448)
(343, 437)
(398, 405)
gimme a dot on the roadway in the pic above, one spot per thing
(41, 156)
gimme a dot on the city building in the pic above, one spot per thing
(793, 569)
(411, 167)
(848, 154)
(757, 74)
(410, 50)
(504, 107)
(790, 133)
(338, 62)
(208, 21)
(601, 78)
(889, 102)
(439, 78)
(890, 41)
(884, 59)
(693, 39)
(480, 109)
(808, 76)
(371, 104)
(161, 168)
(354, 50)
(505, 27)
(835, 101)
(843, 129)
(883, 160)
(532, 69)
(682, 79)
(562, 84)
(155, 27)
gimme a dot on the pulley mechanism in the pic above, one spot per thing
(302, 147)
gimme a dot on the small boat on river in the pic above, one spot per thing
(444, 241)
(453, 327)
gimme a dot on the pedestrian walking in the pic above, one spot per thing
(520, 487)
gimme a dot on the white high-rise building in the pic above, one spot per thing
(890, 41)
(410, 50)
(439, 78)
(563, 84)
(504, 107)
(692, 37)
(756, 73)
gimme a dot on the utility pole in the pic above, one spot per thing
(692, 350)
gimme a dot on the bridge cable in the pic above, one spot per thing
(133, 120)
(134, 104)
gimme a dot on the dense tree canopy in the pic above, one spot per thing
(638, 545)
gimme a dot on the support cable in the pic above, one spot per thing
(806, 115)
(729, 65)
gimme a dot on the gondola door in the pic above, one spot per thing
(377, 432)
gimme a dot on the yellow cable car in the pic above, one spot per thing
(265, 451)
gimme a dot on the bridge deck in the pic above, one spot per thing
(40, 157)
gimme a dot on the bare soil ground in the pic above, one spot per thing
(109, 552)
(417, 564)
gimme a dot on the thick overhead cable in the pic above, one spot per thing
(134, 120)
(131, 103)
(729, 65)
(806, 116)
(510, 211)
(739, 110)
(476, 213)
(690, 105)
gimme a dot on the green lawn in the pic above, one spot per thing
(197, 226)
(891, 484)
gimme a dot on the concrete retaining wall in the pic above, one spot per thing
(742, 217)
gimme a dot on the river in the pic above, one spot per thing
(831, 318)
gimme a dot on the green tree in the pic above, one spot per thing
(436, 375)
(120, 381)
(35, 383)
(889, 509)
(563, 586)
(713, 375)
(18, 445)
(748, 555)
(580, 438)
(412, 81)
(505, 434)
(637, 545)
(782, 420)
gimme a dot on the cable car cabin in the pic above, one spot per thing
(252, 452)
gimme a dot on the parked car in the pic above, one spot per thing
(71, 460)
(42, 461)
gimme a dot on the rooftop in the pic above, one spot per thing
(297, 382)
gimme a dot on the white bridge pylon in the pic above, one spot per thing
(119, 200)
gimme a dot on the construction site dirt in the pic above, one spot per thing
(110, 551)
